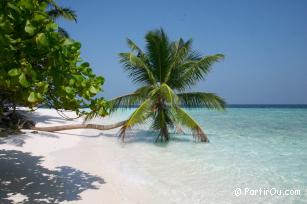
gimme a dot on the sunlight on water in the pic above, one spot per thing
(249, 148)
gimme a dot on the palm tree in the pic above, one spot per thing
(164, 71)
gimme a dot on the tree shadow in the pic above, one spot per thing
(22, 174)
(20, 139)
(48, 119)
(16, 140)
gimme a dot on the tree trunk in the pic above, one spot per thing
(79, 126)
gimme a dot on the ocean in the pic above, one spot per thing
(256, 154)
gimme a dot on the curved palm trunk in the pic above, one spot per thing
(79, 126)
(164, 134)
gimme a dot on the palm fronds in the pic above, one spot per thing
(165, 93)
(55, 12)
(134, 47)
(192, 71)
(139, 116)
(126, 101)
(179, 52)
(60, 12)
(137, 68)
(158, 52)
(186, 120)
(63, 32)
(201, 100)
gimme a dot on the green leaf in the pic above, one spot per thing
(85, 64)
(52, 26)
(72, 82)
(29, 28)
(46, 87)
(40, 16)
(26, 4)
(12, 6)
(43, 5)
(78, 77)
(68, 89)
(39, 96)
(7, 27)
(41, 40)
(102, 112)
(76, 46)
(93, 90)
(100, 79)
(32, 97)
(14, 72)
(40, 84)
(68, 41)
(23, 80)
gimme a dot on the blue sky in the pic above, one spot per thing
(264, 41)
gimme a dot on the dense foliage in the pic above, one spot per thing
(40, 65)
(165, 70)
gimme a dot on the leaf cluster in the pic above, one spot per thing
(39, 65)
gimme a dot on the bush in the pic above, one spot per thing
(38, 65)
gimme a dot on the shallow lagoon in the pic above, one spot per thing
(250, 149)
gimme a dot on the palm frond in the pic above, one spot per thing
(139, 116)
(60, 12)
(166, 93)
(144, 91)
(126, 101)
(129, 100)
(186, 120)
(179, 51)
(158, 52)
(133, 46)
(192, 71)
(201, 99)
(63, 32)
(137, 68)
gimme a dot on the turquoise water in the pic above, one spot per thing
(250, 148)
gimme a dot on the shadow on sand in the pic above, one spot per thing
(22, 174)
(20, 139)
(48, 119)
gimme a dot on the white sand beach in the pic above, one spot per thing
(64, 167)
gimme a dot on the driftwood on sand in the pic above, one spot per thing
(18, 120)
(79, 126)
